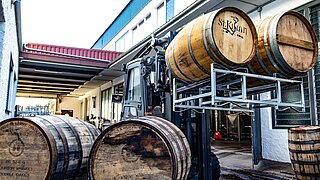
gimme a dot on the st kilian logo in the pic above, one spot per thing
(16, 147)
(232, 27)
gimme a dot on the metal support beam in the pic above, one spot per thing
(235, 97)
(256, 137)
(188, 126)
(205, 166)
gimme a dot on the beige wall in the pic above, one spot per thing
(71, 103)
(89, 96)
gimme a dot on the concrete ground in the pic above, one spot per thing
(236, 163)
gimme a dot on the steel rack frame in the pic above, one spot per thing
(228, 90)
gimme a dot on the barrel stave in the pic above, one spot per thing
(304, 148)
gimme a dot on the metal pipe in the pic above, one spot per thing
(193, 97)
(17, 9)
(256, 76)
(63, 54)
(213, 108)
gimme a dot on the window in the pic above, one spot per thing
(133, 93)
(165, 11)
(112, 47)
(106, 104)
(315, 19)
(161, 15)
(117, 106)
(12, 85)
(142, 29)
(169, 9)
(123, 44)
(135, 34)
(148, 24)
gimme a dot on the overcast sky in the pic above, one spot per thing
(75, 23)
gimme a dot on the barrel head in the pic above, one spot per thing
(130, 151)
(297, 41)
(24, 151)
(234, 35)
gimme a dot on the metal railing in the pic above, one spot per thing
(228, 90)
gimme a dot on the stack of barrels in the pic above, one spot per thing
(284, 44)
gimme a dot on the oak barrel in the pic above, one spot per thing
(226, 37)
(145, 148)
(304, 149)
(287, 45)
(45, 147)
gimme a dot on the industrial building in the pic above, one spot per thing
(88, 84)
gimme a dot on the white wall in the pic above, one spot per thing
(71, 103)
(8, 47)
(179, 5)
(274, 141)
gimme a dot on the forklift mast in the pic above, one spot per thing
(148, 92)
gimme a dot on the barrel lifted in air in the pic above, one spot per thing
(287, 45)
(226, 37)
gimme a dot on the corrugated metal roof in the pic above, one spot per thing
(85, 53)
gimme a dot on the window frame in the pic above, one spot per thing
(136, 30)
(122, 47)
(11, 87)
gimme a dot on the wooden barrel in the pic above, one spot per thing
(287, 45)
(144, 148)
(304, 148)
(226, 37)
(45, 147)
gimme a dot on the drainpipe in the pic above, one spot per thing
(17, 9)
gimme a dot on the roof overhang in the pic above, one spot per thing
(46, 69)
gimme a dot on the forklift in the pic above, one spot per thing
(148, 92)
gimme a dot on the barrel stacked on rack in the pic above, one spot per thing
(285, 44)
(45, 147)
(144, 148)
(226, 37)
